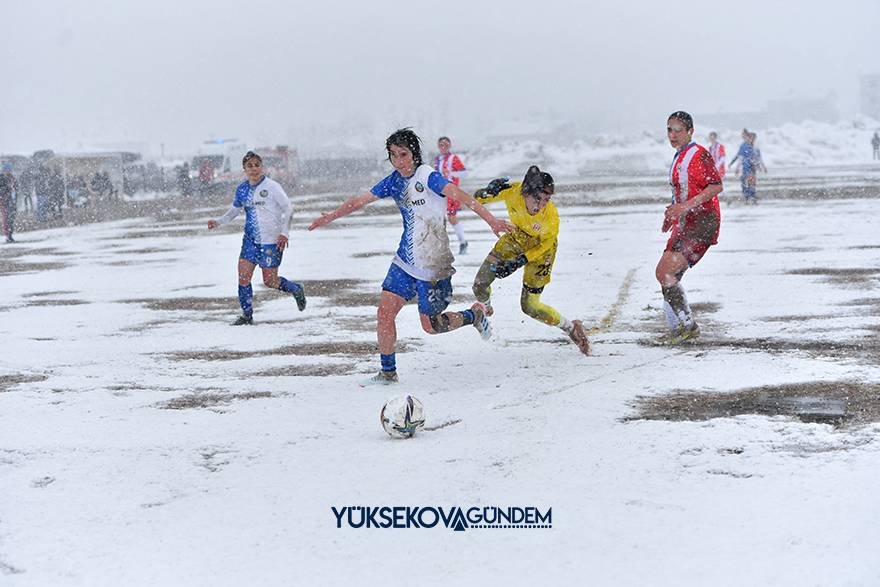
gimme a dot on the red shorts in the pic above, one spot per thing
(452, 206)
(692, 249)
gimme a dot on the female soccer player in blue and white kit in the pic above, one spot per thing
(267, 218)
(423, 264)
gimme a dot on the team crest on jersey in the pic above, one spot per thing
(536, 227)
(264, 193)
(419, 187)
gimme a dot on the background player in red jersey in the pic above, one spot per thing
(450, 167)
(694, 217)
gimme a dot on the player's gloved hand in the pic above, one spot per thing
(495, 187)
(504, 268)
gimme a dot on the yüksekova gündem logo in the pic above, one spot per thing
(455, 518)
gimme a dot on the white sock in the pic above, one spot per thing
(565, 324)
(460, 232)
(671, 319)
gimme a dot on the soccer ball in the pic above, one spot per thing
(402, 416)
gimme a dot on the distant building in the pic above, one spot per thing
(870, 92)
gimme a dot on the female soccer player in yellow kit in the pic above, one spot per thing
(532, 246)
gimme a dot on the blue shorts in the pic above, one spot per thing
(266, 256)
(434, 296)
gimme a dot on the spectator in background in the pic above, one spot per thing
(25, 190)
(42, 188)
(7, 201)
(206, 176)
(56, 193)
(875, 143)
(184, 184)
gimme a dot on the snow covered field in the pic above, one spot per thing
(144, 441)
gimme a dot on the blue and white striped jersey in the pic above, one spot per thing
(267, 210)
(424, 245)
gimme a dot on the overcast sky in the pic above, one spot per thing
(178, 72)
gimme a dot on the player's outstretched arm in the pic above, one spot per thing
(347, 207)
(497, 226)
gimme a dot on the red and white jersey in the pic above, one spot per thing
(720, 156)
(450, 167)
(691, 171)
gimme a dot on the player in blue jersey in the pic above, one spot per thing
(749, 157)
(422, 266)
(267, 218)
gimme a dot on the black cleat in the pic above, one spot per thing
(243, 319)
(462, 248)
(300, 296)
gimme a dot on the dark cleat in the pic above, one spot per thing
(243, 319)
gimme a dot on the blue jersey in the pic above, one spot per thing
(424, 245)
(267, 210)
(750, 157)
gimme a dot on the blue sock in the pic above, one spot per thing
(246, 299)
(468, 316)
(389, 363)
(288, 286)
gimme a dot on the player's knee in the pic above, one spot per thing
(437, 324)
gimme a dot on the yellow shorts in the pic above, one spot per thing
(536, 274)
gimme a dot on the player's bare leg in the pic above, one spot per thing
(669, 271)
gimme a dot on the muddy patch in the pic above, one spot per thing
(57, 303)
(9, 267)
(46, 294)
(842, 404)
(146, 251)
(845, 276)
(867, 348)
(7, 381)
(308, 370)
(346, 349)
(186, 304)
(210, 399)
(367, 255)
(173, 233)
(706, 307)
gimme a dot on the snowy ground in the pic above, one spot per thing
(144, 441)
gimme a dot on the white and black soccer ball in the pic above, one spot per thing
(402, 416)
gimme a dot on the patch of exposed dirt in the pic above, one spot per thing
(168, 233)
(839, 403)
(9, 267)
(800, 317)
(372, 254)
(705, 307)
(7, 381)
(46, 294)
(57, 302)
(209, 399)
(842, 276)
(308, 370)
(867, 348)
(347, 349)
(146, 250)
(186, 304)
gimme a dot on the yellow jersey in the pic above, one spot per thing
(535, 234)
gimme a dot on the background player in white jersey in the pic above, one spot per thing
(423, 264)
(450, 167)
(267, 221)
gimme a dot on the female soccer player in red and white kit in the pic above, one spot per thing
(694, 217)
